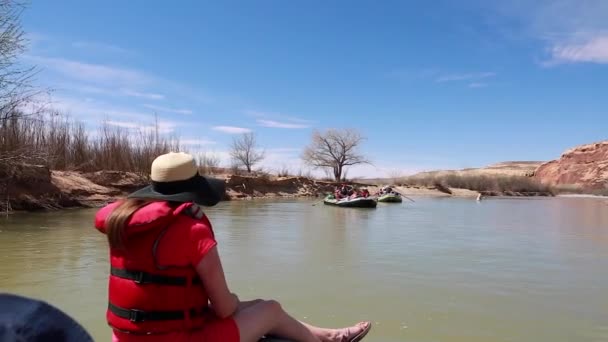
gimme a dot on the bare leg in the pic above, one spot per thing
(260, 318)
(267, 317)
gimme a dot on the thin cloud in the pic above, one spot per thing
(196, 142)
(106, 80)
(278, 120)
(465, 77)
(89, 72)
(473, 79)
(275, 116)
(163, 126)
(101, 76)
(95, 112)
(568, 31)
(275, 159)
(168, 110)
(255, 113)
(122, 124)
(591, 50)
(477, 85)
(143, 95)
(278, 124)
(91, 89)
(231, 129)
(101, 48)
(36, 37)
(127, 114)
(411, 74)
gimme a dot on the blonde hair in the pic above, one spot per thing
(117, 220)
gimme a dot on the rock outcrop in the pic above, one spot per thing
(585, 167)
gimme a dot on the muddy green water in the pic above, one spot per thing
(450, 270)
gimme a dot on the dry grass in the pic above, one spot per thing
(208, 163)
(482, 183)
(306, 174)
(600, 192)
(284, 172)
(61, 144)
(573, 189)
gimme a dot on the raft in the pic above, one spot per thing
(390, 198)
(359, 202)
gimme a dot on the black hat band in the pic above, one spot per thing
(176, 187)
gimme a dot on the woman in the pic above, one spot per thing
(166, 278)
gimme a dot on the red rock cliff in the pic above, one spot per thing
(585, 166)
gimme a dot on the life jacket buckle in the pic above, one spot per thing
(136, 316)
(139, 278)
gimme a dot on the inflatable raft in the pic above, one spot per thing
(358, 202)
(390, 198)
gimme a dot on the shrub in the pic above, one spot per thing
(284, 172)
(61, 144)
(483, 183)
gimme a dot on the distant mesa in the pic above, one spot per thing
(507, 168)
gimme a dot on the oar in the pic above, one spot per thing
(402, 195)
(408, 198)
(319, 202)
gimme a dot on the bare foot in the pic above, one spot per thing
(351, 334)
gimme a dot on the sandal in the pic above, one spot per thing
(362, 333)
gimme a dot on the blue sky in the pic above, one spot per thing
(441, 84)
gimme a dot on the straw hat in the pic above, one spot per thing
(175, 178)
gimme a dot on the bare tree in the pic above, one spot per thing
(208, 163)
(16, 89)
(334, 150)
(244, 151)
(16, 93)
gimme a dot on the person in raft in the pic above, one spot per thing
(166, 278)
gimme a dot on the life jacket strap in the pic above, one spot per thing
(140, 277)
(138, 316)
(194, 211)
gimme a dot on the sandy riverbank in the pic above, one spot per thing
(38, 188)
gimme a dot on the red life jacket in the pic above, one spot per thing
(145, 296)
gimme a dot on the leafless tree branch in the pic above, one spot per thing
(244, 151)
(335, 150)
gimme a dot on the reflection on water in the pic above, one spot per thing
(435, 270)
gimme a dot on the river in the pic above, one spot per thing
(449, 270)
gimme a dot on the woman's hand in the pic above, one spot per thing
(247, 303)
